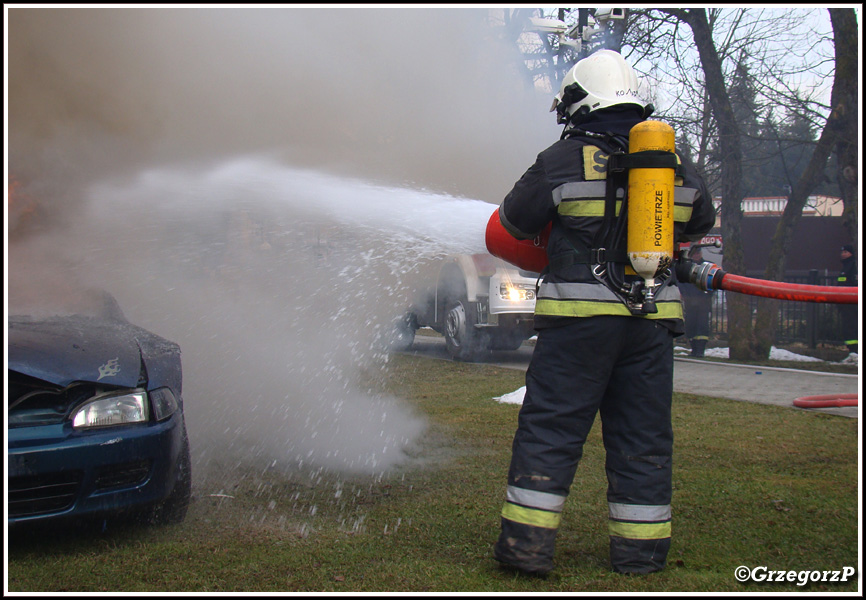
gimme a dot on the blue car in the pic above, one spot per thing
(95, 420)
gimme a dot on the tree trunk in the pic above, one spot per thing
(766, 321)
(837, 132)
(845, 104)
(740, 338)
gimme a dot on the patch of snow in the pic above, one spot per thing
(775, 354)
(851, 359)
(515, 397)
(778, 354)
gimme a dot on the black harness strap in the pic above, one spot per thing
(649, 159)
(595, 256)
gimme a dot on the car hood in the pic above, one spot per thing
(61, 350)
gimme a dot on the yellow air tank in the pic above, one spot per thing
(650, 243)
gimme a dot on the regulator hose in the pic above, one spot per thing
(709, 276)
(827, 401)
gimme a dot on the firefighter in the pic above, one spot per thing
(697, 305)
(848, 278)
(594, 353)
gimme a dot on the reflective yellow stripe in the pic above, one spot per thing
(640, 531)
(530, 516)
(682, 214)
(585, 208)
(584, 308)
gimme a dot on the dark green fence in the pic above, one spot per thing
(810, 323)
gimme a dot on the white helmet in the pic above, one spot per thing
(600, 80)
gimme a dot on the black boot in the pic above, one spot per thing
(698, 347)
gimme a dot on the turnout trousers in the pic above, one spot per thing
(697, 315)
(622, 368)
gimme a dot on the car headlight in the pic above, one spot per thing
(114, 409)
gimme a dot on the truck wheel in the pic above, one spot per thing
(403, 334)
(461, 339)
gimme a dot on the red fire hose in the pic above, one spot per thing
(786, 291)
(709, 276)
(827, 400)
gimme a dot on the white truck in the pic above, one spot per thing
(479, 303)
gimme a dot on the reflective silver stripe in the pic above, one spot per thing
(640, 512)
(571, 291)
(579, 189)
(595, 292)
(534, 499)
(596, 190)
(685, 196)
(684, 200)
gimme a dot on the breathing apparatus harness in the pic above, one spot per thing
(608, 257)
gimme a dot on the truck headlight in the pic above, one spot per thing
(114, 409)
(514, 293)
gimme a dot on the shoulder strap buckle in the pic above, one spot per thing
(617, 162)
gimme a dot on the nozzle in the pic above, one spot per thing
(706, 276)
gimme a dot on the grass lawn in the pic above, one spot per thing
(754, 485)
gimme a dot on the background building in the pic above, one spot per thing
(818, 235)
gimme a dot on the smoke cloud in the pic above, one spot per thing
(264, 186)
(424, 96)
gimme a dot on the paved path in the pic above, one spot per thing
(764, 385)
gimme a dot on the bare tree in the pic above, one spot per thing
(845, 105)
(838, 132)
(731, 159)
(545, 60)
(549, 55)
(780, 56)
